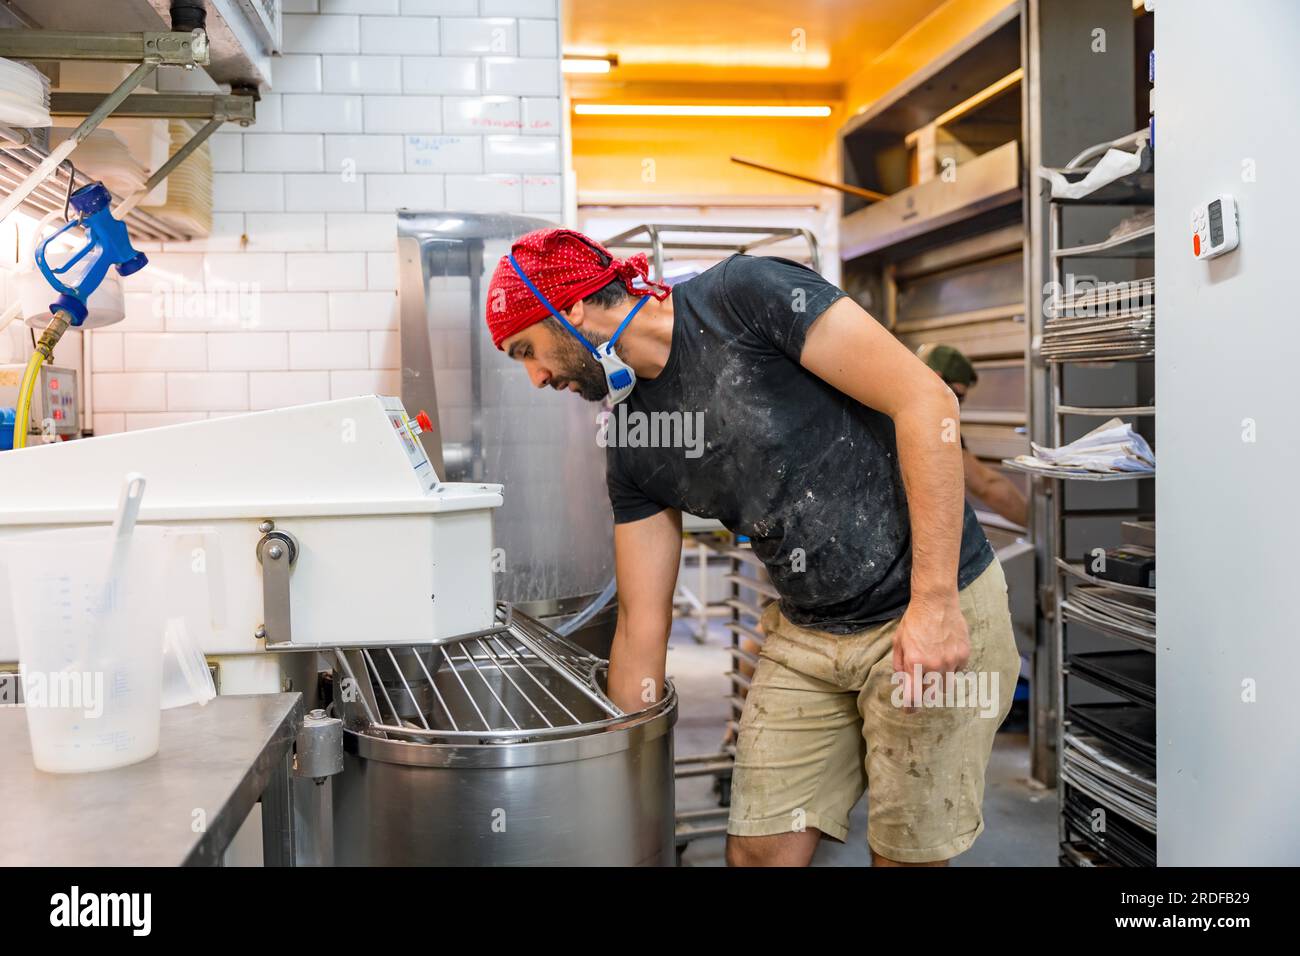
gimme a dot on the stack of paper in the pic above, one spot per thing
(1113, 447)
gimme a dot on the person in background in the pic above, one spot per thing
(992, 488)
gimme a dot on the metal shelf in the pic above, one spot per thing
(1135, 189)
(1073, 597)
(1110, 412)
(1099, 668)
(1141, 643)
(1076, 570)
(1012, 464)
(655, 239)
(753, 584)
(744, 607)
(1138, 244)
(1143, 356)
(1138, 188)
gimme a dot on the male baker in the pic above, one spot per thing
(888, 662)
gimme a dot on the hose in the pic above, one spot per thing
(44, 353)
(590, 611)
(25, 399)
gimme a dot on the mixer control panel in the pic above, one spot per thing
(407, 430)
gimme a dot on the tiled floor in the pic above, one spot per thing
(1020, 818)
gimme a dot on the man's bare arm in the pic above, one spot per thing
(848, 349)
(995, 490)
(646, 555)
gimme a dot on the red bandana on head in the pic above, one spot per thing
(565, 266)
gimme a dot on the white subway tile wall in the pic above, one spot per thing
(361, 74)
(539, 38)
(376, 105)
(403, 114)
(480, 114)
(471, 36)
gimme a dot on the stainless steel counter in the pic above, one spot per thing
(180, 807)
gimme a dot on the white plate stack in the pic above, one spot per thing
(104, 155)
(24, 95)
(149, 143)
(189, 187)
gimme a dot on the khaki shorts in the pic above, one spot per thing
(820, 727)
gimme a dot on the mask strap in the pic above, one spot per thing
(622, 325)
(556, 312)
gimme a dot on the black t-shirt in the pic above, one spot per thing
(809, 474)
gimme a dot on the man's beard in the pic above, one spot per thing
(577, 365)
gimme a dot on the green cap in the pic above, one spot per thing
(948, 363)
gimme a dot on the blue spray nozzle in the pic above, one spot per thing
(108, 245)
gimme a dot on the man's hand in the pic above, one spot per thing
(932, 637)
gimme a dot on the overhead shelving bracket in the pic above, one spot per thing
(228, 107)
(149, 50)
(186, 49)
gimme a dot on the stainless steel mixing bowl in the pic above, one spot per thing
(515, 760)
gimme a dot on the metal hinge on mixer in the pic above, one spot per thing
(277, 551)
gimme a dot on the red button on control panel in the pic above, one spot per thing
(1196, 245)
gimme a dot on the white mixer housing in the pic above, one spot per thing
(385, 552)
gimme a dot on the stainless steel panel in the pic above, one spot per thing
(994, 442)
(985, 245)
(554, 531)
(990, 282)
(1001, 388)
(978, 340)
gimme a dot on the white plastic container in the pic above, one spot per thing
(107, 304)
(99, 662)
(185, 675)
(90, 651)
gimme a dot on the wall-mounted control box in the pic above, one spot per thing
(54, 400)
(1214, 227)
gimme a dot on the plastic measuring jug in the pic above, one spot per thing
(90, 650)
(168, 601)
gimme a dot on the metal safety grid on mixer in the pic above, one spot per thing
(517, 681)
